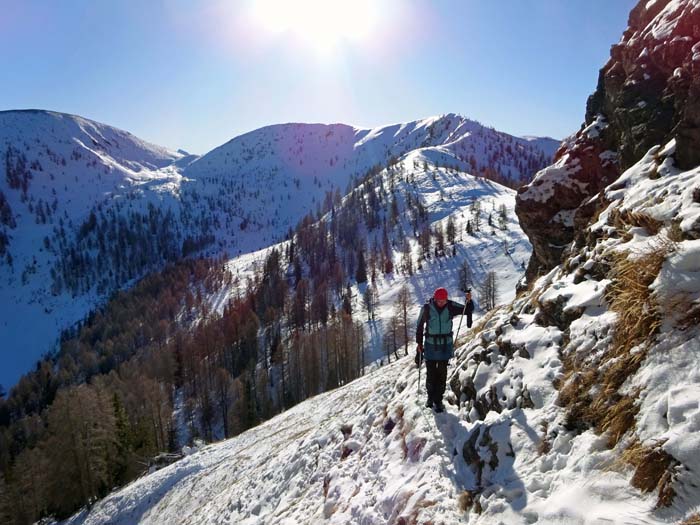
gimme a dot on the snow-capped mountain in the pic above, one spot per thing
(274, 175)
(448, 196)
(510, 448)
(57, 168)
(86, 209)
(575, 403)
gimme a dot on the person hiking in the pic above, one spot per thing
(435, 323)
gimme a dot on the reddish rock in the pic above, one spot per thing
(648, 93)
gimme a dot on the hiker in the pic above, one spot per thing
(436, 321)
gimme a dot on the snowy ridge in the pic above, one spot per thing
(64, 166)
(297, 164)
(448, 194)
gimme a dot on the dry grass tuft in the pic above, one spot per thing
(619, 418)
(690, 318)
(465, 501)
(629, 295)
(624, 219)
(692, 520)
(654, 471)
(674, 232)
(590, 387)
(544, 446)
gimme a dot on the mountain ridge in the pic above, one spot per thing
(575, 403)
(77, 189)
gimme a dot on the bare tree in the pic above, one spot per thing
(370, 301)
(476, 215)
(464, 276)
(406, 258)
(502, 217)
(451, 230)
(439, 241)
(402, 304)
(5, 501)
(489, 291)
(224, 389)
(424, 241)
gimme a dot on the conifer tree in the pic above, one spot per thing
(361, 273)
(451, 230)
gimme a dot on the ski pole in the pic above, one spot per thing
(420, 365)
(459, 326)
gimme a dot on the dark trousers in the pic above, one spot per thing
(436, 379)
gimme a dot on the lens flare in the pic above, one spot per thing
(321, 26)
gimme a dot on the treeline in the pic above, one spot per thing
(117, 244)
(91, 417)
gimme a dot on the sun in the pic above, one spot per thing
(322, 26)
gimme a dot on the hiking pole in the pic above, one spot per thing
(459, 326)
(420, 363)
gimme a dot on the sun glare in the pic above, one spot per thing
(320, 25)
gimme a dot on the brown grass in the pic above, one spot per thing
(654, 471)
(619, 418)
(544, 446)
(638, 322)
(691, 520)
(674, 231)
(690, 318)
(624, 219)
(465, 500)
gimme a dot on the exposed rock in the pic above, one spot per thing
(488, 449)
(647, 94)
(550, 207)
(388, 426)
(650, 88)
(553, 313)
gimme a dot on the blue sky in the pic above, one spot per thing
(192, 75)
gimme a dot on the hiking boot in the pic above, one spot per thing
(438, 407)
(429, 403)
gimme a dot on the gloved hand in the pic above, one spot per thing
(419, 355)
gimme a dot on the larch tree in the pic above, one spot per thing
(403, 302)
(489, 291)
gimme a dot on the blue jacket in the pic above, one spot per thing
(435, 324)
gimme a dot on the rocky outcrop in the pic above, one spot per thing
(550, 209)
(648, 93)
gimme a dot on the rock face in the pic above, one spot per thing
(647, 94)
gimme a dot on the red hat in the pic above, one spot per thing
(440, 294)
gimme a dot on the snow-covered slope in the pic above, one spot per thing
(86, 208)
(510, 448)
(56, 169)
(448, 194)
(271, 177)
